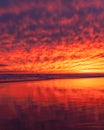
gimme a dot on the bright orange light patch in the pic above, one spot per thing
(62, 58)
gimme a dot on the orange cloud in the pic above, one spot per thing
(66, 37)
(57, 58)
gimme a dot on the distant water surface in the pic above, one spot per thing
(59, 104)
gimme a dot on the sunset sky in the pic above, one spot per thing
(52, 36)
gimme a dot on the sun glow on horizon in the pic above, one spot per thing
(71, 58)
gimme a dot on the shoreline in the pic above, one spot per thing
(40, 79)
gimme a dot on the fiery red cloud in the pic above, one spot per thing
(57, 36)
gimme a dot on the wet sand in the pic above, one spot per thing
(59, 104)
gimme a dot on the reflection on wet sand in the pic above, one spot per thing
(53, 104)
